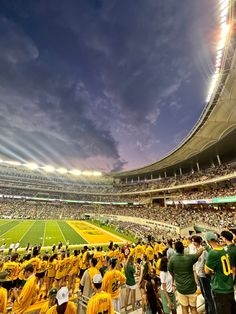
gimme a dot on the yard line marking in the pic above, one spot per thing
(44, 232)
(77, 231)
(27, 230)
(10, 228)
(61, 232)
(4, 223)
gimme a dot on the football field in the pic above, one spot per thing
(51, 232)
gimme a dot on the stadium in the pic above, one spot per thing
(189, 192)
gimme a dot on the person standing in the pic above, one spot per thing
(170, 251)
(167, 288)
(11, 248)
(130, 282)
(3, 292)
(12, 268)
(218, 266)
(25, 297)
(112, 282)
(150, 253)
(2, 249)
(84, 261)
(101, 302)
(181, 268)
(227, 238)
(86, 283)
(203, 278)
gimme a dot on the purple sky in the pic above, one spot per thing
(107, 85)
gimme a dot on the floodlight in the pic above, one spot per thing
(48, 168)
(75, 172)
(31, 166)
(62, 170)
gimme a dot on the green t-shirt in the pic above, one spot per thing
(222, 280)
(129, 274)
(181, 266)
(231, 250)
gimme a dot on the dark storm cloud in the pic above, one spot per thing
(44, 109)
(85, 79)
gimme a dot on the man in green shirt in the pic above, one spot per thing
(218, 265)
(181, 268)
(227, 239)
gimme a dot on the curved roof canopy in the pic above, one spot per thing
(214, 133)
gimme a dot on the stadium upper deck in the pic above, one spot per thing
(210, 141)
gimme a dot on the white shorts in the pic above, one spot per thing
(131, 287)
(116, 304)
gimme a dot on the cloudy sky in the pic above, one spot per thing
(109, 85)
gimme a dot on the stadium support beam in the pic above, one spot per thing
(180, 171)
(165, 174)
(198, 168)
(151, 176)
(218, 159)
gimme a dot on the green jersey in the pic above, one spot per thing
(231, 250)
(218, 262)
(181, 266)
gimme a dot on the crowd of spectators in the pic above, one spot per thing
(207, 193)
(50, 182)
(180, 216)
(165, 182)
(203, 192)
(48, 282)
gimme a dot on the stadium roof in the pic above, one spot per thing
(214, 133)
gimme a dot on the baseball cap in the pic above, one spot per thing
(210, 236)
(52, 292)
(62, 295)
(3, 276)
(97, 278)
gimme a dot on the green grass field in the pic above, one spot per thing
(36, 232)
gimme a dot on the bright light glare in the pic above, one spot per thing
(225, 27)
(97, 173)
(75, 172)
(49, 168)
(13, 163)
(87, 173)
(31, 166)
(62, 170)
